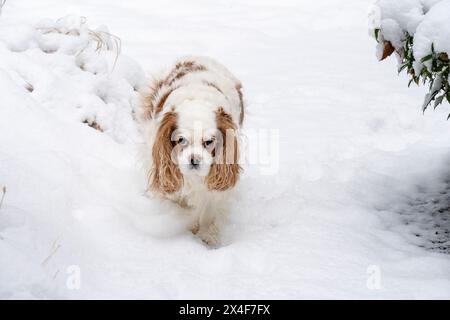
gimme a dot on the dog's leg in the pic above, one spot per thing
(196, 213)
(195, 226)
(210, 234)
(211, 222)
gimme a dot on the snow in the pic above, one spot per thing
(426, 20)
(352, 210)
(54, 59)
(435, 29)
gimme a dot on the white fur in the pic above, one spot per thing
(196, 105)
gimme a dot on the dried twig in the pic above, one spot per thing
(101, 38)
(56, 274)
(3, 196)
(2, 3)
(55, 247)
(1, 200)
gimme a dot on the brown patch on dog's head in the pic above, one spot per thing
(183, 68)
(210, 84)
(165, 176)
(160, 89)
(225, 170)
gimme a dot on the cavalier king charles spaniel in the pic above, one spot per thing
(193, 114)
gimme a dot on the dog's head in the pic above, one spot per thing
(193, 141)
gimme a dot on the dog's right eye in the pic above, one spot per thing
(182, 141)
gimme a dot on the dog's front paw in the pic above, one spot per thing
(210, 235)
(195, 227)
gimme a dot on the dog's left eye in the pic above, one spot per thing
(208, 143)
(182, 141)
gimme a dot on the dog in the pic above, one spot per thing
(193, 114)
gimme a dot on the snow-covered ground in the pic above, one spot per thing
(356, 208)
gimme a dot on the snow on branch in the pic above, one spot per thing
(418, 31)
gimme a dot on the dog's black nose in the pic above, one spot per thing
(195, 160)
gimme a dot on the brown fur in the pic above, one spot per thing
(160, 89)
(93, 124)
(224, 172)
(214, 86)
(162, 100)
(151, 99)
(165, 176)
(181, 69)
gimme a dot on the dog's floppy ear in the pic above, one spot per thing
(224, 172)
(165, 176)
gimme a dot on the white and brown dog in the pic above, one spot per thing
(193, 114)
